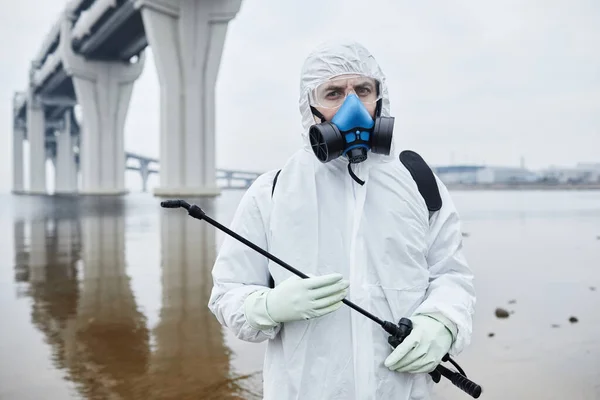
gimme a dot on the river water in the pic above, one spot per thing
(105, 298)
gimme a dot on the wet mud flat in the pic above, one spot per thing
(106, 299)
(537, 328)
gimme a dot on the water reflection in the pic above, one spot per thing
(74, 268)
(190, 358)
(111, 336)
(21, 255)
(54, 291)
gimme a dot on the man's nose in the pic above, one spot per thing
(350, 90)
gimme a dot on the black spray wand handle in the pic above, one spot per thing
(397, 332)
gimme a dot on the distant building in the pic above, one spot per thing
(489, 175)
(453, 174)
(505, 175)
(593, 171)
(479, 174)
(582, 173)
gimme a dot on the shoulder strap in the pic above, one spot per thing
(271, 281)
(423, 176)
(420, 172)
(275, 182)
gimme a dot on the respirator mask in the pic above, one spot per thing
(352, 132)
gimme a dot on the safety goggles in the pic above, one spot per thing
(333, 92)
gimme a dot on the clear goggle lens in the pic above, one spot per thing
(332, 93)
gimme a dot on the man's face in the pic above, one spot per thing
(328, 97)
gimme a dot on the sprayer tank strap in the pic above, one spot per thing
(420, 172)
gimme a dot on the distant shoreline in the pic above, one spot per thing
(523, 186)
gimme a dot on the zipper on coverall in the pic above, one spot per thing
(363, 363)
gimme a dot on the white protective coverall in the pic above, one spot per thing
(378, 236)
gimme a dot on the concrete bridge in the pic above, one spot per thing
(92, 56)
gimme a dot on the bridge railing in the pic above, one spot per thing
(90, 16)
(50, 41)
(236, 179)
(52, 61)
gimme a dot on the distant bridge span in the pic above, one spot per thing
(227, 179)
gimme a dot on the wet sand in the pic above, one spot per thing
(542, 270)
(105, 298)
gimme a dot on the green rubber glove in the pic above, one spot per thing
(295, 299)
(423, 349)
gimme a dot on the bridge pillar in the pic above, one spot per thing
(187, 40)
(107, 308)
(38, 253)
(103, 88)
(66, 169)
(36, 135)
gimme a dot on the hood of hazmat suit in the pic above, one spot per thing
(379, 236)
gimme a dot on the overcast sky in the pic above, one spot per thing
(470, 81)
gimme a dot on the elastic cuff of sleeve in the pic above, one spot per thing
(451, 326)
(255, 311)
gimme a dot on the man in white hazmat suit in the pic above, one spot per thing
(363, 233)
